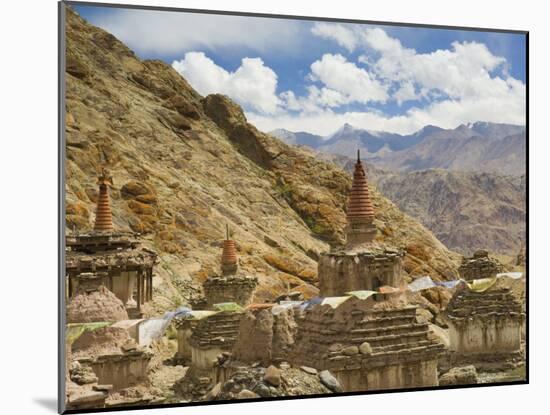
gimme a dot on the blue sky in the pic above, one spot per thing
(315, 76)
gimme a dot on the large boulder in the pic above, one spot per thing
(464, 375)
(330, 381)
(273, 376)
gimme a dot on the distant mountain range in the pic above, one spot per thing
(480, 146)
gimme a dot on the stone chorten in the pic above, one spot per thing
(128, 265)
(360, 212)
(231, 286)
(104, 217)
(362, 264)
(485, 327)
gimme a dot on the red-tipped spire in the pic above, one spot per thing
(229, 255)
(104, 217)
(359, 203)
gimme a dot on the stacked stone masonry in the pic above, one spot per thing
(185, 328)
(122, 370)
(367, 269)
(212, 336)
(237, 289)
(480, 265)
(366, 348)
(484, 324)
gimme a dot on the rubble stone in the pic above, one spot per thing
(273, 376)
(365, 348)
(310, 370)
(350, 350)
(330, 381)
(465, 375)
(246, 394)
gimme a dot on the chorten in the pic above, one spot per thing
(231, 285)
(104, 217)
(360, 212)
(362, 264)
(128, 265)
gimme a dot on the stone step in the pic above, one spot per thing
(231, 326)
(483, 296)
(400, 346)
(483, 300)
(409, 311)
(396, 328)
(387, 320)
(408, 349)
(471, 311)
(416, 333)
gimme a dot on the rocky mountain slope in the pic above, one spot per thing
(478, 147)
(184, 166)
(466, 211)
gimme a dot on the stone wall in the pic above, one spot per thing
(237, 289)
(265, 337)
(284, 333)
(485, 336)
(400, 376)
(184, 331)
(122, 370)
(213, 335)
(123, 286)
(254, 342)
(364, 270)
(204, 359)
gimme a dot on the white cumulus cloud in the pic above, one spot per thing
(464, 83)
(460, 72)
(252, 85)
(345, 77)
(337, 32)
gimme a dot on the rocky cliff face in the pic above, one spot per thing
(184, 166)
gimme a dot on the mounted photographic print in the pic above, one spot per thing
(265, 207)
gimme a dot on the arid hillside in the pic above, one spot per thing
(184, 166)
(467, 211)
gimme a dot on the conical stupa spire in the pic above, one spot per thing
(359, 203)
(360, 212)
(229, 255)
(104, 217)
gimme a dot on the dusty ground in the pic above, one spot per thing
(164, 373)
(511, 375)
